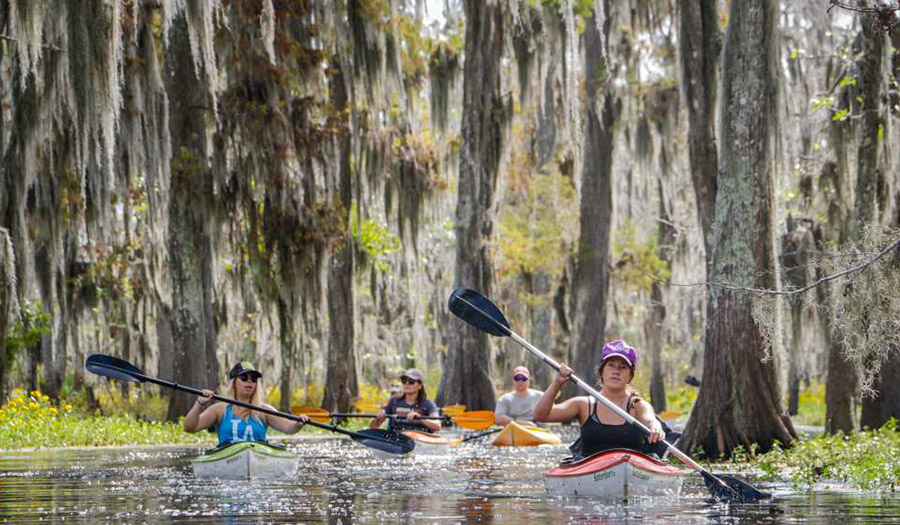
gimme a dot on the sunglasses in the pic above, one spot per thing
(247, 378)
(520, 378)
(408, 381)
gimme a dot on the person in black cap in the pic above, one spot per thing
(410, 406)
(235, 423)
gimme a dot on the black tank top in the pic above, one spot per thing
(597, 436)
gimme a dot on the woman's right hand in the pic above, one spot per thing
(563, 375)
(205, 399)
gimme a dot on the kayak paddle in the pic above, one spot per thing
(115, 368)
(475, 436)
(480, 312)
(453, 410)
(475, 420)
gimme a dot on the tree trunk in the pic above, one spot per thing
(870, 174)
(656, 334)
(797, 244)
(700, 42)
(469, 367)
(342, 375)
(590, 283)
(8, 303)
(739, 403)
(190, 246)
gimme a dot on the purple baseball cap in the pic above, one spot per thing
(620, 348)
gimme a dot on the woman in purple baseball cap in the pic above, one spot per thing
(601, 428)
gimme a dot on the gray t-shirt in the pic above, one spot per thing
(518, 407)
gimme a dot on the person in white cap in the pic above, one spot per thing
(519, 404)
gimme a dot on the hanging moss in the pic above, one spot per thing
(443, 69)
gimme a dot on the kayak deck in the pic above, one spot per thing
(615, 474)
(516, 435)
(246, 460)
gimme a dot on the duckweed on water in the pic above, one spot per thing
(865, 460)
(31, 420)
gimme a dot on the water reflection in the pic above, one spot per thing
(341, 482)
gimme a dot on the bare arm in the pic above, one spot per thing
(288, 426)
(433, 424)
(547, 412)
(201, 415)
(643, 412)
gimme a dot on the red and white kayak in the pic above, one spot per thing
(427, 443)
(616, 475)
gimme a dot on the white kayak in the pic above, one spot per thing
(615, 475)
(247, 460)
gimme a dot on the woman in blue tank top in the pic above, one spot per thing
(601, 428)
(235, 423)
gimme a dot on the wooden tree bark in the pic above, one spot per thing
(870, 176)
(190, 246)
(468, 368)
(700, 43)
(8, 302)
(590, 282)
(797, 245)
(342, 375)
(739, 403)
(655, 328)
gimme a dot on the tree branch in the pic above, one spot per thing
(764, 291)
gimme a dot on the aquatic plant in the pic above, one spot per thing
(33, 420)
(864, 460)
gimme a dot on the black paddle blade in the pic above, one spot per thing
(736, 490)
(478, 311)
(113, 367)
(390, 442)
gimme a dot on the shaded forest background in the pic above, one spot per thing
(302, 183)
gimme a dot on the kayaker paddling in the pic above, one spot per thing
(601, 428)
(236, 423)
(413, 404)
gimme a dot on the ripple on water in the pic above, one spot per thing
(341, 482)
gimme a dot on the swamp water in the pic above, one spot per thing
(341, 482)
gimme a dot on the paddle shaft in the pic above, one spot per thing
(389, 416)
(587, 388)
(190, 390)
(612, 406)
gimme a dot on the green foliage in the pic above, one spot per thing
(375, 240)
(28, 329)
(681, 399)
(32, 420)
(866, 460)
(638, 263)
(811, 406)
(538, 226)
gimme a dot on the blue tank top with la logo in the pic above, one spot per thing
(236, 429)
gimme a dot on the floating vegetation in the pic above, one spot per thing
(864, 460)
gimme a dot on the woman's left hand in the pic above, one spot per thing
(411, 416)
(303, 419)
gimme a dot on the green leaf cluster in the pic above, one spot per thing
(637, 263)
(32, 324)
(865, 460)
(375, 240)
(538, 227)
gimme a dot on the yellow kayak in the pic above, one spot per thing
(516, 435)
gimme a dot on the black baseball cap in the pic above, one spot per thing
(243, 367)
